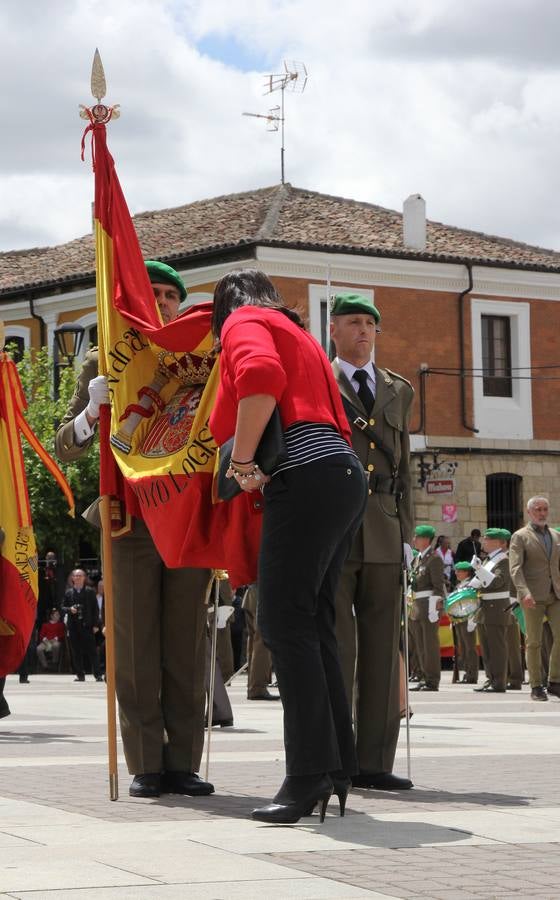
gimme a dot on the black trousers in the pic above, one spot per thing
(311, 514)
(82, 643)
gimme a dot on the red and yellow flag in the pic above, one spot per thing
(18, 553)
(162, 382)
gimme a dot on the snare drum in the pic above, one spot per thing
(462, 604)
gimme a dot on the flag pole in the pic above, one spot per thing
(107, 556)
(100, 114)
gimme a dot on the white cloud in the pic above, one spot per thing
(457, 101)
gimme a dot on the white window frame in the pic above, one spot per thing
(318, 295)
(18, 331)
(504, 417)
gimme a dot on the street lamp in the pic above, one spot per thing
(68, 341)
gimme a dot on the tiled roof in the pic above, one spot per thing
(280, 215)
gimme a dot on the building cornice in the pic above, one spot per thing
(339, 268)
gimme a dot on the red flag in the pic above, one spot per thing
(18, 554)
(162, 381)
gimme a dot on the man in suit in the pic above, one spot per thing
(535, 572)
(468, 547)
(80, 605)
(160, 613)
(368, 601)
(426, 580)
(492, 580)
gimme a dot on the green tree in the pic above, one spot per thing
(53, 527)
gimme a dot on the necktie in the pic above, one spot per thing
(364, 392)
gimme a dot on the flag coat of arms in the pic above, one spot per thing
(157, 452)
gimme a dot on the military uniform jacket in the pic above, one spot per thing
(387, 520)
(427, 575)
(65, 442)
(492, 605)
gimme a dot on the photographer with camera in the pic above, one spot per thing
(80, 603)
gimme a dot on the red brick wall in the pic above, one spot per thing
(422, 327)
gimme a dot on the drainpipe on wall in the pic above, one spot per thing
(461, 304)
(42, 325)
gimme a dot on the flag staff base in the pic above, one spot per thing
(113, 786)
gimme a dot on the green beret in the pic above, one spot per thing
(463, 566)
(161, 273)
(346, 304)
(498, 534)
(425, 531)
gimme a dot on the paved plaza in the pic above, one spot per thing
(482, 822)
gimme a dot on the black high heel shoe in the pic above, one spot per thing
(341, 787)
(297, 798)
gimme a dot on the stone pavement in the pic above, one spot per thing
(482, 822)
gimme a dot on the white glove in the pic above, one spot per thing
(224, 612)
(471, 625)
(475, 563)
(98, 390)
(483, 578)
(407, 555)
(433, 613)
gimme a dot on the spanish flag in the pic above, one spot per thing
(18, 553)
(162, 383)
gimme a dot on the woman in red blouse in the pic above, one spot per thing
(313, 504)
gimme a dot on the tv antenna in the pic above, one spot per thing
(294, 79)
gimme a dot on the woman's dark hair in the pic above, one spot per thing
(246, 287)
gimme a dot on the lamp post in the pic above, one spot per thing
(68, 341)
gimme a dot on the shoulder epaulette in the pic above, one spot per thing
(400, 377)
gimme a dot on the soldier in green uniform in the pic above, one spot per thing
(160, 613)
(428, 590)
(368, 601)
(492, 579)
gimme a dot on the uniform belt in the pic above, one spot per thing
(421, 595)
(498, 595)
(382, 484)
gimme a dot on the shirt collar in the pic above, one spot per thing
(538, 529)
(349, 369)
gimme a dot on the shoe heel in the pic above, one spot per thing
(342, 797)
(324, 801)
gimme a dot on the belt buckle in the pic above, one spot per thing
(360, 423)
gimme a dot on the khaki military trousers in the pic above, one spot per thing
(515, 662)
(160, 618)
(426, 637)
(259, 662)
(368, 646)
(494, 653)
(534, 621)
(466, 641)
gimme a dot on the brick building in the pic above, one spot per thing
(470, 319)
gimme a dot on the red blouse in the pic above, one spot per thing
(264, 352)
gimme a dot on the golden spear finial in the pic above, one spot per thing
(99, 113)
(98, 83)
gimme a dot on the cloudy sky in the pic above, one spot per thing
(457, 101)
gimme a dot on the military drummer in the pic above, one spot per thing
(429, 591)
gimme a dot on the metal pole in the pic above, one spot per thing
(212, 672)
(406, 672)
(282, 148)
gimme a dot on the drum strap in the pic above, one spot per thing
(497, 595)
